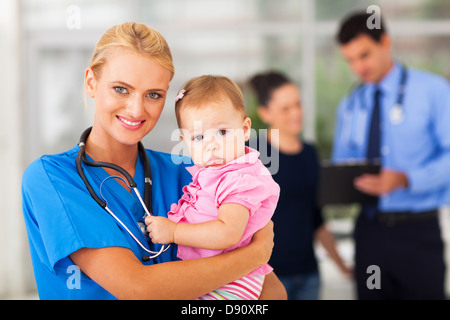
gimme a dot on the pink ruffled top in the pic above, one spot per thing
(245, 181)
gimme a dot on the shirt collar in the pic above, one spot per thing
(250, 157)
(391, 80)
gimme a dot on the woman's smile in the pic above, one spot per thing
(130, 124)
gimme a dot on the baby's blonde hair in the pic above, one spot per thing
(138, 38)
(200, 90)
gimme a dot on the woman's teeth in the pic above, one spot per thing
(130, 123)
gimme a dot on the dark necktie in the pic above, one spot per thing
(373, 146)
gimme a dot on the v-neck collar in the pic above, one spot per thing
(117, 190)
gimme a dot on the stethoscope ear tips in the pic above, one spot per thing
(145, 258)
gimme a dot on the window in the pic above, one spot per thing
(234, 38)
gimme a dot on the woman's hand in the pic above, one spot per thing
(273, 289)
(263, 242)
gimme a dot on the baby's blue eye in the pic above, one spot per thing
(121, 90)
(222, 132)
(197, 138)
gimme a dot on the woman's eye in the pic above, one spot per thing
(154, 95)
(121, 90)
(222, 132)
(197, 138)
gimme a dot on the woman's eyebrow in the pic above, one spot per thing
(121, 83)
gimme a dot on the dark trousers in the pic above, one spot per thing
(408, 259)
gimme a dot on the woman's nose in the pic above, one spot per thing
(135, 106)
(297, 112)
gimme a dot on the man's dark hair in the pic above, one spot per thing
(355, 25)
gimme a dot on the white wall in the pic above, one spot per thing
(13, 245)
(36, 47)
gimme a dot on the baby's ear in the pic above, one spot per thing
(182, 132)
(247, 126)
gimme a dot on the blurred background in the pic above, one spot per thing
(45, 46)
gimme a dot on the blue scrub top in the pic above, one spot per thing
(61, 217)
(419, 146)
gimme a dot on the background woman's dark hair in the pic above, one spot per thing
(265, 83)
(355, 25)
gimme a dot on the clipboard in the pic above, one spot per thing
(336, 183)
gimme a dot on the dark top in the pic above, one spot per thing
(297, 216)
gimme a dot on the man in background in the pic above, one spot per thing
(400, 117)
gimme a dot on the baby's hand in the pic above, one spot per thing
(161, 230)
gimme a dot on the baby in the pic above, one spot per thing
(232, 194)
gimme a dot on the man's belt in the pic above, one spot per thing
(401, 217)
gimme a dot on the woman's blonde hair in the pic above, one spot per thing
(198, 91)
(138, 38)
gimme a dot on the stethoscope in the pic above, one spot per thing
(354, 131)
(81, 156)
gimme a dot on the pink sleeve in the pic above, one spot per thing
(245, 189)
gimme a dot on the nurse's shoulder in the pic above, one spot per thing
(46, 165)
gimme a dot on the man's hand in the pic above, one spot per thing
(161, 230)
(380, 184)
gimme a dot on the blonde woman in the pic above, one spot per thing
(78, 250)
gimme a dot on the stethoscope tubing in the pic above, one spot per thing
(81, 157)
(356, 92)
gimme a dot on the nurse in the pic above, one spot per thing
(78, 250)
(399, 116)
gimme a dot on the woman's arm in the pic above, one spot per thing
(273, 289)
(326, 239)
(222, 233)
(123, 275)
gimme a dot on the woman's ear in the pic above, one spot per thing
(263, 114)
(90, 82)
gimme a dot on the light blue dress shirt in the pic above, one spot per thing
(419, 146)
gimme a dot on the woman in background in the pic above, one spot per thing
(297, 220)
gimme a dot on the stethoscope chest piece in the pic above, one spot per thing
(397, 115)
